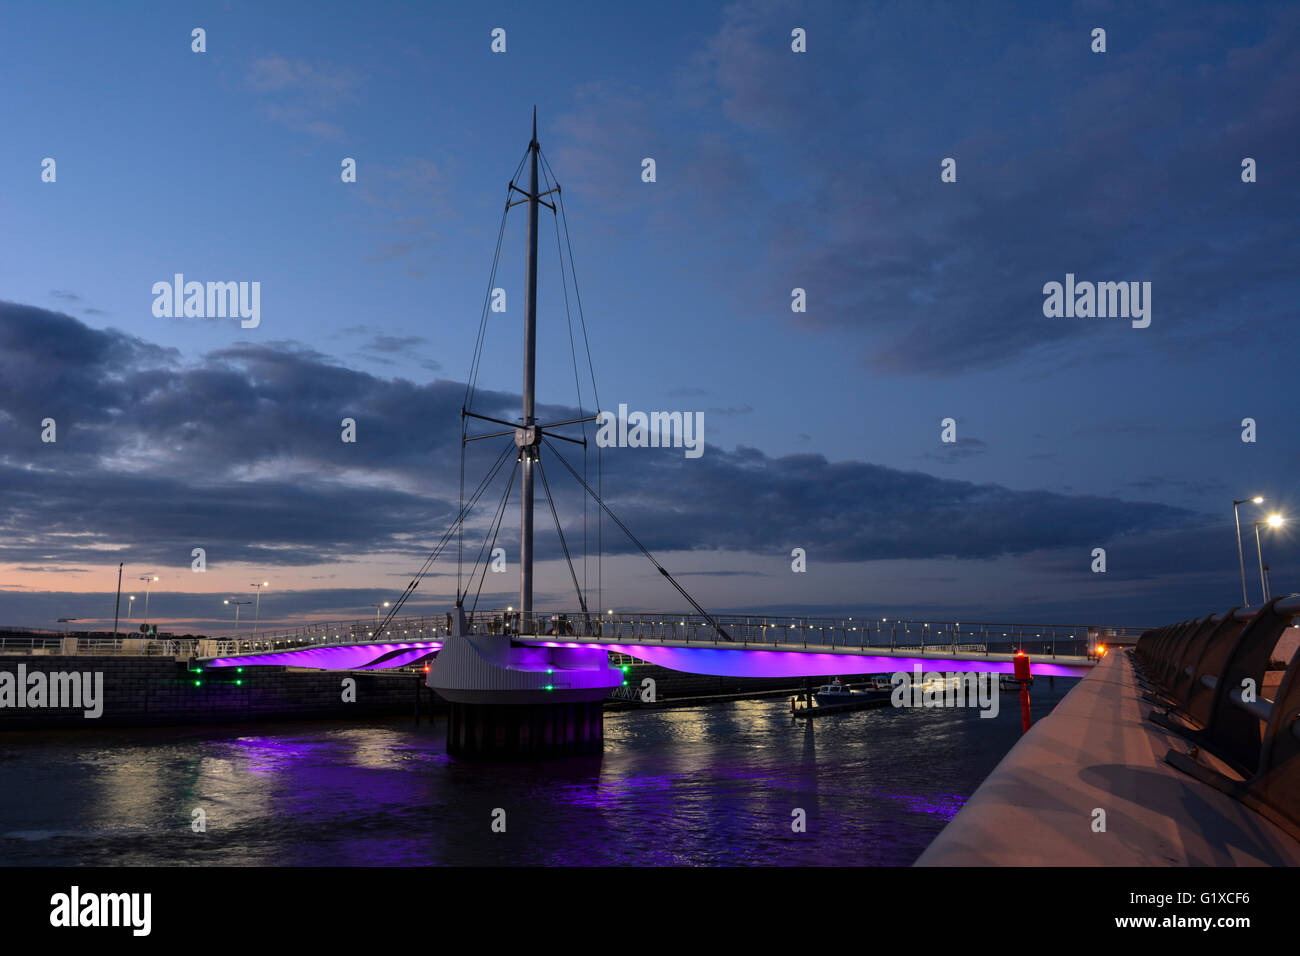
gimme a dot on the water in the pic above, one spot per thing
(705, 785)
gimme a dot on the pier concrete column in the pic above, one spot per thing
(514, 731)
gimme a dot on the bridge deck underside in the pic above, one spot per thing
(770, 660)
(335, 657)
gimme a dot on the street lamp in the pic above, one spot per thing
(237, 605)
(130, 603)
(257, 609)
(377, 607)
(148, 580)
(1240, 557)
(64, 621)
(1273, 521)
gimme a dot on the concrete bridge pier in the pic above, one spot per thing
(524, 731)
(511, 700)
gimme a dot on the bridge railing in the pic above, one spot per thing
(1208, 675)
(66, 645)
(926, 636)
(422, 628)
(1044, 640)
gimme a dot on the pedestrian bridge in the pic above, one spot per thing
(749, 646)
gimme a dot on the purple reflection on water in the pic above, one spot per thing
(942, 805)
(708, 785)
(264, 755)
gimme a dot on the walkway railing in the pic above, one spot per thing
(979, 637)
(1208, 674)
(100, 646)
(422, 628)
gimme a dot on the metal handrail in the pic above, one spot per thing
(975, 637)
(104, 646)
(972, 637)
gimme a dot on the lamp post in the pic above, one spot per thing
(377, 607)
(1273, 521)
(237, 605)
(257, 609)
(117, 605)
(1258, 500)
(148, 580)
(64, 621)
(130, 604)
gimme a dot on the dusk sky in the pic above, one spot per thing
(775, 170)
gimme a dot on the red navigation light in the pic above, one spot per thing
(426, 668)
(1021, 663)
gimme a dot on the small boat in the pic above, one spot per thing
(1007, 682)
(828, 695)
(877, 686)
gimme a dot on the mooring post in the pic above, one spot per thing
(1022, 675)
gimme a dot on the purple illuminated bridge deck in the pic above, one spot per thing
(758, 646)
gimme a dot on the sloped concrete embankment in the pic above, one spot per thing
(1097, 751)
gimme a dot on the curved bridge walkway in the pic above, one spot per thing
(748, 646)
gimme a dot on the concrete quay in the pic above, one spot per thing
(1097, 750)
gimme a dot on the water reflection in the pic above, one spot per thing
(702, 785)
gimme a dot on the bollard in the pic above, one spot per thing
(1022, 675)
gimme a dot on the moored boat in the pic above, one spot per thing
(829, 695)
(836, 692)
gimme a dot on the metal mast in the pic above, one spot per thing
(527, 438)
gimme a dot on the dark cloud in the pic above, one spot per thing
(1167, 483)
(241, 454)
(394, 343)
(952, 452)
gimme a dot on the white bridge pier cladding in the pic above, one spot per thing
(511, 700)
